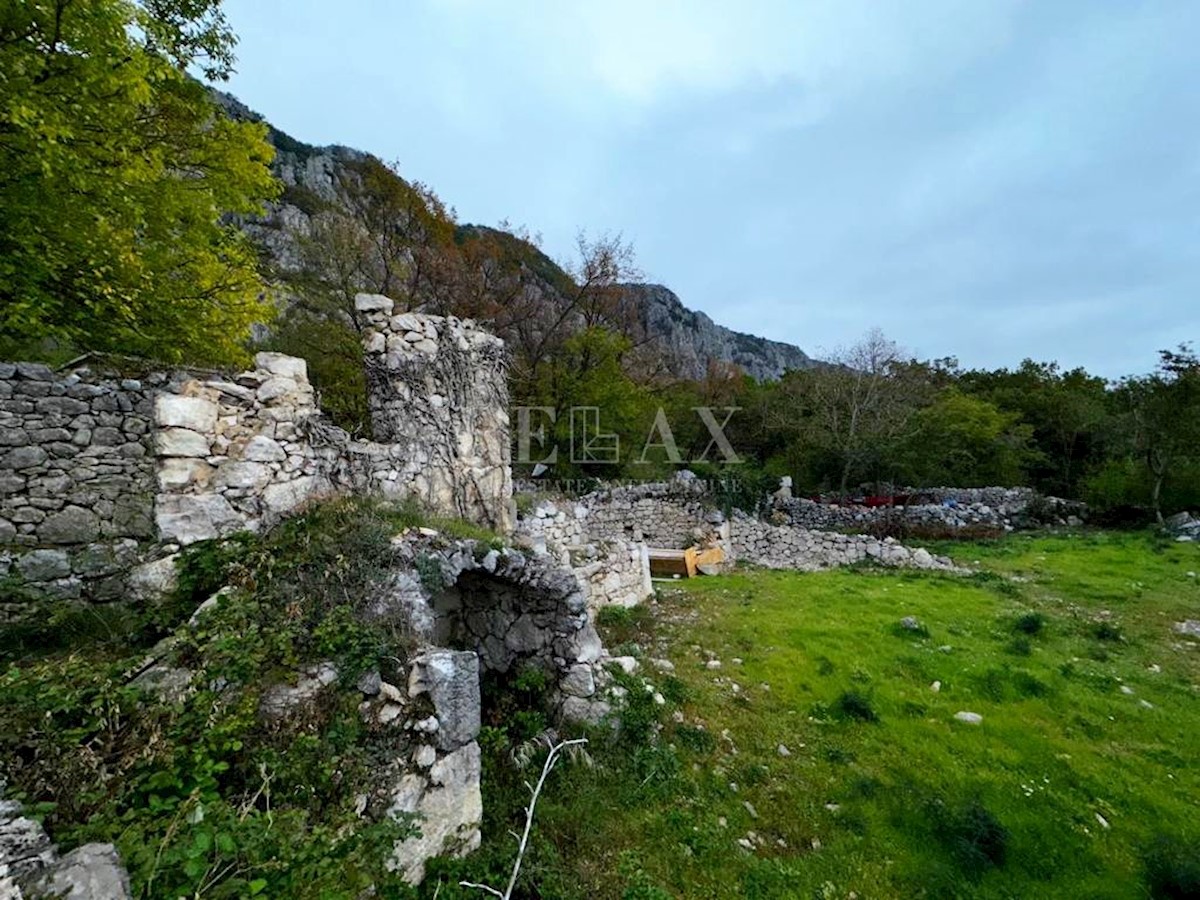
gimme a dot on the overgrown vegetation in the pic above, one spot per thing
(119, 176)
(204, 796)
(1070, 786)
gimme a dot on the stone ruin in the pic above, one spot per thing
(101, 473)
(104, 478)
(613, 525)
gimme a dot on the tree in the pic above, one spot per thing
(1164, 409)
(856, 408)
(1067, 411)
(592, 296)
(118, 173)
(968, 442)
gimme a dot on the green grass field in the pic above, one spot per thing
(1082, 780)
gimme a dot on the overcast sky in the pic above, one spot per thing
(989, 179)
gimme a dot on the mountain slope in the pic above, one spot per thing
(687, 341)
(691, 340)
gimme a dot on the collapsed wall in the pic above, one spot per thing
(681, 513)
(932, 510)
(103, 479)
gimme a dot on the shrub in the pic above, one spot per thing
(1107, 631)
(1030, 623)
(614, 617)
(853, 705)
(1172, 869)
(1020, 646)
(975, 839)
(697, 740)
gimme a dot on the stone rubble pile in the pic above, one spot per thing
(32, 869)
(1183, 527)
(940, 509)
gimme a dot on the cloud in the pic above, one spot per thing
(990, 179)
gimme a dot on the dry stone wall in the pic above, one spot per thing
(940, 509)
(789, 547)
(679, 513)
(101, 476)
(77, 482)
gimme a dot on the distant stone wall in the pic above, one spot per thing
(100, 474)
(678, 514)
(604, 536)
(789, 547)
(940, 509)
(673, 514)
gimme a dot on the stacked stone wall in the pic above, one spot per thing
(679, 514)
(77, 482)
(101, 474)
(789, 547)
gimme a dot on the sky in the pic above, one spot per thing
(985, 179)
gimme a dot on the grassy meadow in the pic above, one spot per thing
(819, 760)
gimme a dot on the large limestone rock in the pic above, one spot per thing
(187, 518)
(193, 413)
(449, 807)
(451, 678)
(31, 869)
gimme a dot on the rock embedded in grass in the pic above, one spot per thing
(1188, 628)
(970, 718)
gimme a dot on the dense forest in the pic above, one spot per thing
(127, 200)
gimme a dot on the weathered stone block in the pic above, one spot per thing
(74, 525)
(282, 365)
(283, 498)
(451, 678)
(450, 805)
(181, 442)
(193, 413)
(195, 517)
(373, 303)
(244, 475)
(181, 472)
(44, 565)
(24, 458)
(263, 449)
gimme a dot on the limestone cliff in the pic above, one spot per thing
(690, 340)
(687, 340)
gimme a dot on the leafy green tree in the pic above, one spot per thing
(1163, 411)
(118, 178)
(1067, 411)
(588, 371)
(967, 441)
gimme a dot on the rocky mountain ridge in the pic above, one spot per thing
(689, 341)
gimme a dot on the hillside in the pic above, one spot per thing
(687, 341)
